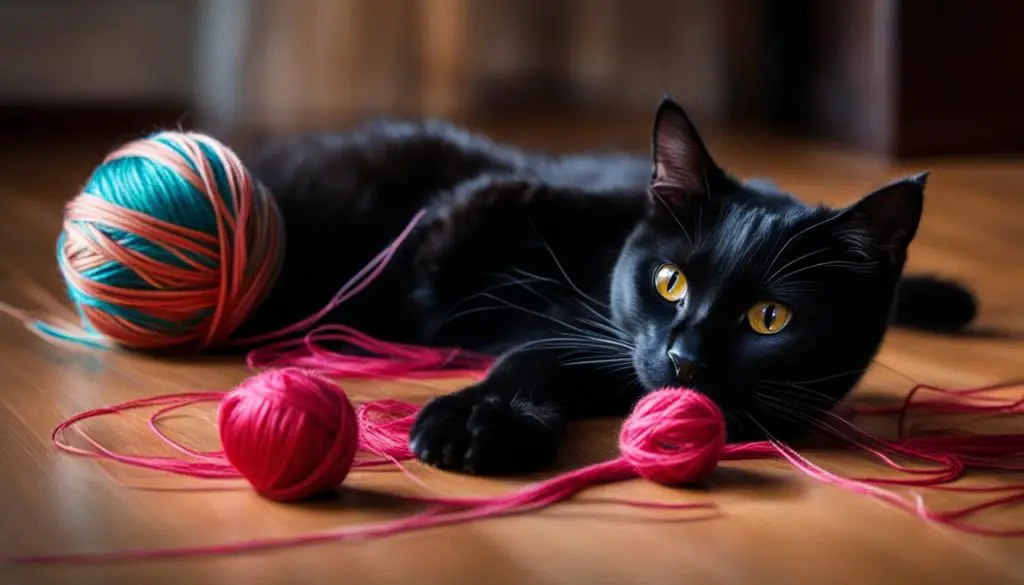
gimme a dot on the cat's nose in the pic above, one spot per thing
(686, 368)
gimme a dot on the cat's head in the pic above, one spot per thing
(751, 297)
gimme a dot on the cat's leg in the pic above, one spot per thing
(513, 421)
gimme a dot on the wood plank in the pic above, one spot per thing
(777, 527)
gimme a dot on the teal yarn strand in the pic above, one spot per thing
(149, 250)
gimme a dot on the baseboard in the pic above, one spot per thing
(98, 121)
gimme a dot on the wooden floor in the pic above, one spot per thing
(776, 527)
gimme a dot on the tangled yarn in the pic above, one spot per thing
(293, 434)
(673, 436)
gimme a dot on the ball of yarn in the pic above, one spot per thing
(171, 243)
(673, 436)
(290, 433)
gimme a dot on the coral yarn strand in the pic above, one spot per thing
(356, 284)
(266, 272)
(228, 263)
(88, 208)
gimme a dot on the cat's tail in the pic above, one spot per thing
(933, 304)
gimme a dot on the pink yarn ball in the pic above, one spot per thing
(673, 436)
(291, 433)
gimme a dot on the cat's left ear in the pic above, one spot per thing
(892, 213)
(682, 164)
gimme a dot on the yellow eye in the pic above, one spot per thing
(768, 318)
(670, 282)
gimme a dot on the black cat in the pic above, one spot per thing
(597, 278)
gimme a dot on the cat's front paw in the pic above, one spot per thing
(480, 432)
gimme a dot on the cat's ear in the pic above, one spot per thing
(892, 213)
(681, 162)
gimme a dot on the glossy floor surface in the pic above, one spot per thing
(775, 526)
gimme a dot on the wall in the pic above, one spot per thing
(289, 64)
(74, 51)
(314, 63)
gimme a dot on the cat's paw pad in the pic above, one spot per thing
(484, 433)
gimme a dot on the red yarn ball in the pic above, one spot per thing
(291, 433)
(673, 436)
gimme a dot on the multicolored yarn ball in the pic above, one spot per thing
(290, 433)
(170, 244)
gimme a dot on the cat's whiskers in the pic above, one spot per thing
(466, 312)
(597, 348)
(591, 337)
(715, 226)
(611, 360)
(533, 312)
(793, 401)
(598, 364)
(797, 235)
(700, 223)
(492, 288)
(795, 293)
(610, 329)
(857, 437)
(799, 391)
(732, 416)
(540, 278)
(524, 283)
(483, 293)
(817, 417)
(821, 379)
(550, 301)
(793, 286)
(774, 407)
(674, 217)
(582, 304)
(853, 266)
(797, 412)
(598, 340)
(554, 258)
(604, 357)
(574, 343)
(771, 278)
(798, 418)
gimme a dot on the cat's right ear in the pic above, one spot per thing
(888, 218)
(682, 164)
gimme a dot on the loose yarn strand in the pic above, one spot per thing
(673, 436)
(356, 284)
(385, 421)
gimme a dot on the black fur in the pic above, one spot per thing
(549, 261)
(932, 304)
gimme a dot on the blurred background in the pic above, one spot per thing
(900, 78)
